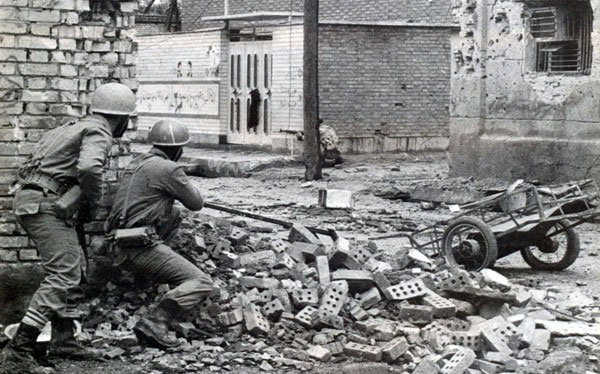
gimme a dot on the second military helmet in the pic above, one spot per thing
(169, 133)
(113, 98)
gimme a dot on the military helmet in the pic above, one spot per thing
(169, 133)
(113, 98)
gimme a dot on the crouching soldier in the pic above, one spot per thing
(143, 217)
(64, 171)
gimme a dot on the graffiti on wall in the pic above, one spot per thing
(193, 98)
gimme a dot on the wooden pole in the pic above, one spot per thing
(312, 154)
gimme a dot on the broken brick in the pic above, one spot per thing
(335, 348)
(322, 264)
(459, 362)
(336, 199)
(334, 298)
(381, 281)
(494, 342)
(360, 254)
(358, 313)
(358, 280)
(273, 309)
(307, 316)
(467, 339)
(299, 233)
(370, 298)
(394, 349)
(332, 320)
(256, 323)
(416, 314)
(305, 297)
(442, 307)
(541, 340)
(230, 259)
(284, 260)
(215, 249)
(238, 236)
(258, 259)
(363, 351)
(260, 283)
(319, 353)
(426, 367)
(406, 290)
(278, 245)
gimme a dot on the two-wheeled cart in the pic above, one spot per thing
(536, 221)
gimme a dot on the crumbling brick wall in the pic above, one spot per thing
(53, 54)
(510, 120)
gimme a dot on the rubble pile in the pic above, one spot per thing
(297, 303)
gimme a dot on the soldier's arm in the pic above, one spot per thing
(95, 146)
(179, 186)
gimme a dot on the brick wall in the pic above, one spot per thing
(392, 81)
(418, 11)
(148, 24)
(53, 54)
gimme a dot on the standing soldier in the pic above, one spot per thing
(64, 172)
(143, 216)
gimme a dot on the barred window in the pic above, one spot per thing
(562, 37)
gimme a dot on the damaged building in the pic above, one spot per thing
(524, 98)
(235, 74)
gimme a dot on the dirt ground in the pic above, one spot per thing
(280, 192)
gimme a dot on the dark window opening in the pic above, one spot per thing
(232, 115)
(266, 117)
(237, 115)
(253, 110)
(238, 71)
(249, 35)
(562, 35)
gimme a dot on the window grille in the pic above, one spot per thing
(562, 39)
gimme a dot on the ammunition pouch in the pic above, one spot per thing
(135, 237)
(123, 239)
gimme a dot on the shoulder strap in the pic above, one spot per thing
(123, 215)
(31, 166)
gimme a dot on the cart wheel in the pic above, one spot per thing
(554, 251)
(470, 242)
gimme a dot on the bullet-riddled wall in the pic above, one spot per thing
(525, 95)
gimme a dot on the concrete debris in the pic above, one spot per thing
(302, 302)
(336, 199)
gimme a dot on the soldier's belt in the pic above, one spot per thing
(47, 183)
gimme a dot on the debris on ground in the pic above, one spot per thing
(299, 302)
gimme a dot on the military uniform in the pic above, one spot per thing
(68, 155)
(148, 189)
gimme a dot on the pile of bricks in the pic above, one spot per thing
(53, 55)
(300, 303)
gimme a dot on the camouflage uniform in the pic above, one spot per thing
(71, 154)
(153, 182)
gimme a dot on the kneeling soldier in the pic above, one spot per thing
(143, 217)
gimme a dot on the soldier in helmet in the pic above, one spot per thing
(144, 203)
(68, 160)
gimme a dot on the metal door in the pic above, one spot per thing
(250, 70)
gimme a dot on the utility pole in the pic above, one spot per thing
(312, 153)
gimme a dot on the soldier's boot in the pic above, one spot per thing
(17, 355)
(64, 345)
(154, 329)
